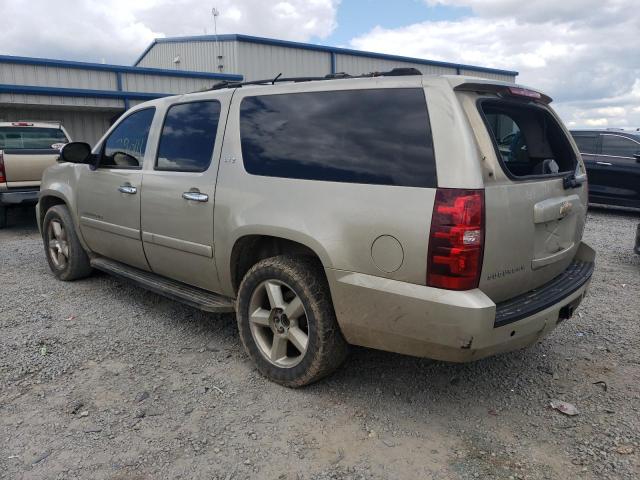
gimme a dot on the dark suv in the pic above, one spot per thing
(612, 158)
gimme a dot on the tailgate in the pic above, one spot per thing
(25, 167)
(533, 239)
(534, 199)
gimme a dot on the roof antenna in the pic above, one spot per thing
(273, 82)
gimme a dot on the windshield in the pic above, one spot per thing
(529, 141)
(36, 138)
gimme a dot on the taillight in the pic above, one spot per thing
(3, 175)
(456, 240)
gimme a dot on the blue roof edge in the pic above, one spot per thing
(117, 68)
(321, 48)
(81, 92)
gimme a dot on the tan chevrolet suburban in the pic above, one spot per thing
(435, 216)
(26, 150)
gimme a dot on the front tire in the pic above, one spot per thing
(287, 322)
(67, 259)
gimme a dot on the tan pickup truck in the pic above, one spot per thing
(26, 149)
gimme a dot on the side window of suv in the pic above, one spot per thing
(188, 136)
(125, 146)
(618, 146)
(587, 143)
(377, 136)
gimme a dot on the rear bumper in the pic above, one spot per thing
(18, 197)
(442, 324)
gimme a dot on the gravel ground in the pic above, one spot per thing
(100, 379)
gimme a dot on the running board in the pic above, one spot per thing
(193, 296)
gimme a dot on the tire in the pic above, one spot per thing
(67, 259)
(262, 332)
(3, 217)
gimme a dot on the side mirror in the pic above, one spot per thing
(76, 152)
(637, 156)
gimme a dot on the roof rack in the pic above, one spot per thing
(394, 72)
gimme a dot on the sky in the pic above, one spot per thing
(583, 53)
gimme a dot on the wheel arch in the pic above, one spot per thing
(251, 248)
(46, 200)
(49, 198)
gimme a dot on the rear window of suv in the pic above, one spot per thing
(529, 141)
(30, 138)
(377, 136)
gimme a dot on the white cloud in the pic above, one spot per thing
(596, 122)
(117, 31)
(581, 52)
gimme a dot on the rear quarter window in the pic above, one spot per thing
(377, 136)
(528, 140)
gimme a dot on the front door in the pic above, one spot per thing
(109, 196)
(614, 175)
(178, 194)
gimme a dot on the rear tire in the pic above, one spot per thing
(67, 259)
(3, 217)
(287, 322)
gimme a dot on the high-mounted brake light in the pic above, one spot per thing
(22, 124)
(523, 92)
(456, 240)
(3, 175)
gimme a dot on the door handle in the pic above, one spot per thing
(195, 196)
(127, 189)
(606, 164)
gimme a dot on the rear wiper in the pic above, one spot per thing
(573, 181)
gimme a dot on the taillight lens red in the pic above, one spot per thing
(456, 240)
(3, 175)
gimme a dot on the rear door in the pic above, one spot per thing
(533, 223)
(178, 193)
(614, 175)
(28, 151)
(109, 196)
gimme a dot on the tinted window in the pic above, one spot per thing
(360, 136)
(188, 137)
(126, 145)
(586, 144)
(619, 146)
(18, 138)
(528, 139)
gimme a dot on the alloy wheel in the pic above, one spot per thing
(58, 244)
(278, 323)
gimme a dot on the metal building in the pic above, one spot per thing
(258, 58)
(86, 97)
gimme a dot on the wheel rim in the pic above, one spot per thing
(58, 244)
(279, 323)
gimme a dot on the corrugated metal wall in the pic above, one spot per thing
(194, 56)
(47, 76)
(85, 116)
(132, 82)
(263, 60)
(357, 65)
(490, 75)
(83, 125)
(41, 75)
(257, 61)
